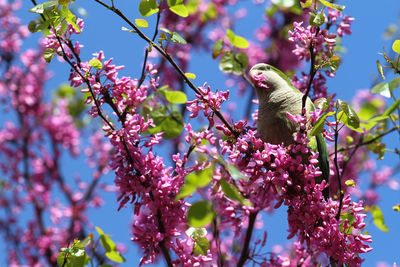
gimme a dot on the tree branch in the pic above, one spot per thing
(245, 251)
(169, 59)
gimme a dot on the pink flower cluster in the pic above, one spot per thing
(276, 175)
(44, 210)
(279, 175)
(206, 101)
(305, 38)
(140, 175)
(321, 42)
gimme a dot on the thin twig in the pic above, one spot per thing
(312, 72)
(370, 141)
(146, 53)
(245, 251)
(338, 174)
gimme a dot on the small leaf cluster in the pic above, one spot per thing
(172, 36)
(317, 18)
(150, 7)
(166, 117)
(55, 16)
(231, 61)
(368, 117)
(201, 213)
(78, 254)
(201, 244)
(76, 104)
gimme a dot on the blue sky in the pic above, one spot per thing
(102, 28)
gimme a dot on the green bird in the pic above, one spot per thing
(277, 96)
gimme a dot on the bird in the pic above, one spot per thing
(277, 96)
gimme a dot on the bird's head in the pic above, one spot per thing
(267, 78)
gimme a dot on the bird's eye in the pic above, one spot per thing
(268, 67)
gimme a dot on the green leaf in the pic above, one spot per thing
(370, 109)
(217, 48)
(166, 30)
(380, 69)
(178, 8)
(48, 55)
(243, 61)
(32, 26)
(332, 5)
(393, 84)
(106, 241)
(185, 191)
(396, 207)
(176, 97)
(236, 40)
(317, 19)
(127, 30)
(334, 63)
(270, 12)
(319, 124)
(235, 173)
(79, 261)
(233, 63)
(43, 26)
(171, 124)
(231, 192)
(82, 244)
(352, 118)
(158, 115)
(39, 9)
(191, 76)
(200, 214)
(195, 180)
(95, 63)
(69, 17)
(148, 7)
(211, 13)
(350, 124)
(196, 233)
(372, 122)
(396, 46)
(307, 4)
(201, 246)
(176, 38)
(106, 265)
(382, 89)
(115, 256)
(62, 259)
(392, 108)
(378, 218)
(201, 178)
(226, 62)
(284, 3)
(322, 103)
(141, 23)
(192, 5)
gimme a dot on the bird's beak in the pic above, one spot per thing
(258, 78)
(253, 74)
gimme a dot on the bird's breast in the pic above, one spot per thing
(273, 125)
